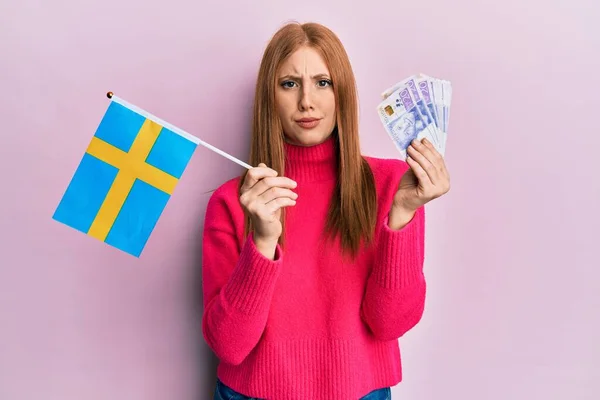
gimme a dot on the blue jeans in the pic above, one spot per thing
(223, 392)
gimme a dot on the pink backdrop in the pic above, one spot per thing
(514, 283)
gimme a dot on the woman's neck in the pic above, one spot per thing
(312, 163)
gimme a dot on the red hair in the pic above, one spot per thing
(352, 212)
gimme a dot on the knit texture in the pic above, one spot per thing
(311, 324)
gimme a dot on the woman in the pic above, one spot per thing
(313, 260)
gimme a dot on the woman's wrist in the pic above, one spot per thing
(399, 217)
(266, 246)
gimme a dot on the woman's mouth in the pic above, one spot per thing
(308, 123)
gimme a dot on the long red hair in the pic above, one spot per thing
(352, 212)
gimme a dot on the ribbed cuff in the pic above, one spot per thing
(252, 282)
(400, 253)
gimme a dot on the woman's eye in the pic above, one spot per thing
(288, 84)
(324, 82)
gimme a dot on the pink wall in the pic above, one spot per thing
(514, 277)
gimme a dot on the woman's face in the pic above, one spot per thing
(304, 98)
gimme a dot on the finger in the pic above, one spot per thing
(426, 148)
(442, 179)
(281, 202)
(419, 172)
(267, 183)
(416, 151)
(434, 153)
(276, 192)
(255, 174)
(438, 159)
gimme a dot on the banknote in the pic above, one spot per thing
(402, 119)
(426, 111)
(442, 94)
(432, 98)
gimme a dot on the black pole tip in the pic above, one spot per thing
(109, 95)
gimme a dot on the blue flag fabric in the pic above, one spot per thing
(125, 178)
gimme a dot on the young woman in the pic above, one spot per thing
(313, 259)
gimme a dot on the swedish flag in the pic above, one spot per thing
(125, 177)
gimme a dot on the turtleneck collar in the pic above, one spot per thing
(312, 163)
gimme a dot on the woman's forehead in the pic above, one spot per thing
(305, 61)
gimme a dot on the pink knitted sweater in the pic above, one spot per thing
(310, 325)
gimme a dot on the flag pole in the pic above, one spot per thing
(183, 133)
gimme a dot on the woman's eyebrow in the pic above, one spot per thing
(290, 76)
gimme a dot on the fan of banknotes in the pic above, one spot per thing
(417, 107)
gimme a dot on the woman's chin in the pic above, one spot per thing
(306, 138)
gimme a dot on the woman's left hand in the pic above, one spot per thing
(427, 178)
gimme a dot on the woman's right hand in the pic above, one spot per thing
(262, 195)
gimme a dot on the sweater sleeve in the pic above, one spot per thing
(394, 299)
(238, 285)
